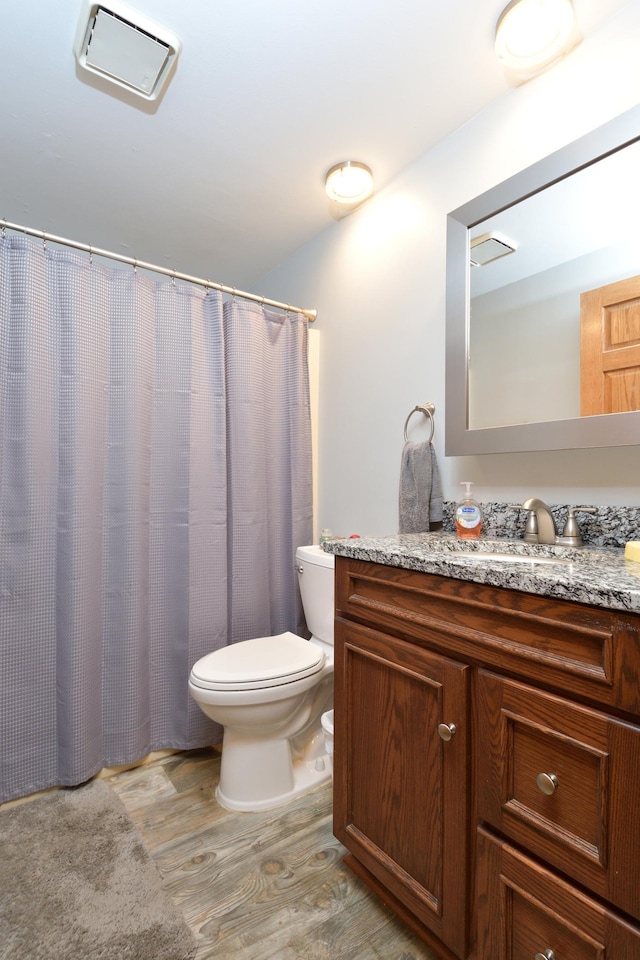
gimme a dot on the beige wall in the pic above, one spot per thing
(378, 281)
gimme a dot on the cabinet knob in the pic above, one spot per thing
(547, 782)
(545, 955)
(446, 730)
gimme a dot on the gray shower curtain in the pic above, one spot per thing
(155, 480)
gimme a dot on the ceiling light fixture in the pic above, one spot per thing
(349, 182)
(533, 34)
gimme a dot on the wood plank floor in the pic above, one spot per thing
(257, 886)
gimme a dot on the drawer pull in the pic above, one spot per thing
(446, 730)
(545, 955)
(547, 782)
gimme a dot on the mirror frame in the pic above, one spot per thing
(606, 430)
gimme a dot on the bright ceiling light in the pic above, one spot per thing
(532, 34)
(349, 182)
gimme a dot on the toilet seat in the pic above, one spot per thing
(258, 663)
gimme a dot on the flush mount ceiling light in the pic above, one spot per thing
(349, 183)
(533, 34)
(119, 44)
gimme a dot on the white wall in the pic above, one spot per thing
(378, 281)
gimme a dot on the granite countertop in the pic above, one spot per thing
(599, 576)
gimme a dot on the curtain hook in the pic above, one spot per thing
(135, 265)
(4, 227)
(90, 255)
(173, 278)
(44, 240)
(234, 298)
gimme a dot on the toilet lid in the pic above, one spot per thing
(261, 662)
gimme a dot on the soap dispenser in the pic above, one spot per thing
(468, 515)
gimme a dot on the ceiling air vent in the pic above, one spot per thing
(120, 45)
(487, 248)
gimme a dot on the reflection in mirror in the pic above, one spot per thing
(525, 368)
(575, 236)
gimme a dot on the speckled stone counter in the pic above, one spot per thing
(605, 527)
(599, 576)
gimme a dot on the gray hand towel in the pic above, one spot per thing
(420, 488)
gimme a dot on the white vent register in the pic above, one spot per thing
(120, 45)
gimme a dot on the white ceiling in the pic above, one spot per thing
(224, 177)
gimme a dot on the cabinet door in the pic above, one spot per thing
(400, 789)
(563, 780)
(525, 912)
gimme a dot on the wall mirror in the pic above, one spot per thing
(543, 303)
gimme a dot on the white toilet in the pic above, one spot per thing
(269, 694)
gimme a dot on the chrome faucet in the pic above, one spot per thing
(541, 526)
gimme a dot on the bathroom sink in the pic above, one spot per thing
(505, 551)
(489, 555)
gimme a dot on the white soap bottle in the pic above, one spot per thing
(468, 515)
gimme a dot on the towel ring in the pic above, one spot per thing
(428, 409)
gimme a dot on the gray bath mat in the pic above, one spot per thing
(77, 883)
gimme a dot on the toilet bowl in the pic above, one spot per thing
(269, 694)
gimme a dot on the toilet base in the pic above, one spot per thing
(257, 774)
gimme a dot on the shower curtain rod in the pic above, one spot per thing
(309, 313)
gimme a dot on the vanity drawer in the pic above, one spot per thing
(525, 911)
(564, 781)
(592, 652)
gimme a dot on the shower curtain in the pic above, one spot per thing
(155, 480)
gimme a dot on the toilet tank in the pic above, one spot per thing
(316, 579)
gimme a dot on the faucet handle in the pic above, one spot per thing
(571, 530)
(531, 526)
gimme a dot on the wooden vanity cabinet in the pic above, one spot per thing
(487, 764)
(528, 912)
(401, 791)
(561, 779)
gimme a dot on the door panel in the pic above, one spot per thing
(401, 792)
(610, 348)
